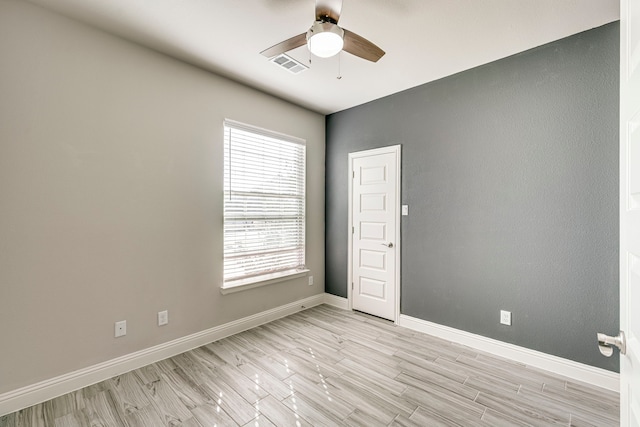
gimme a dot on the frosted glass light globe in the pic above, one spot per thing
(325, 39)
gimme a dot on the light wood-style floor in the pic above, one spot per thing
(329, 367)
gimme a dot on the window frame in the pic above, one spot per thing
(267, 277)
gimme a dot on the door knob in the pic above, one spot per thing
(605, 343)
(389, 245)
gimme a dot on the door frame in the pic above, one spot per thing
(628, 242)
(392, 149)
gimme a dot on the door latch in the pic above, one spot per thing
(605, 343)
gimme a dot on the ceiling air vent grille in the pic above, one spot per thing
(289, 64)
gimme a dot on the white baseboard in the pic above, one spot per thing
(30, 395)
(336, 301)
(45, 390)
(568, 368)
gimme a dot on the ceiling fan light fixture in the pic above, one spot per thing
(325, 39)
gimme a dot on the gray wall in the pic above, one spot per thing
(511, 173)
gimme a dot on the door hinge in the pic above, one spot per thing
(353, 230)
(353, 174)
(351, 285)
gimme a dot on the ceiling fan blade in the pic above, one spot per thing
(330, 8)
(286, 46)
(361, 47)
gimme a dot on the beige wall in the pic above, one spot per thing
(111, 195)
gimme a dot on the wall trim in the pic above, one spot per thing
(336, 301)
(21, 398)
(558, 365)
(42, 391)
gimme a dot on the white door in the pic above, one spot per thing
(374, 212)
(630, 210)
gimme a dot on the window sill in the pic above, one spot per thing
(256, 282)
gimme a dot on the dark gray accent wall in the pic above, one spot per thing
(511, 174)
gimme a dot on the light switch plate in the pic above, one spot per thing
(405, 210)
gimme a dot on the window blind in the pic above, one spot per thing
(264, 202)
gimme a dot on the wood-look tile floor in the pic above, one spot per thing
(329, 367)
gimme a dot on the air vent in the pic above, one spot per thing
(288, 63)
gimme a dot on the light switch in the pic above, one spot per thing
(405, 210)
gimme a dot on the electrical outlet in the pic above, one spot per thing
(121, 328)
(505, 317)
(310, 280)
(163, 317)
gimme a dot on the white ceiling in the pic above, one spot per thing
(424, 39)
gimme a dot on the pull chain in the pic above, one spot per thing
(339, 62)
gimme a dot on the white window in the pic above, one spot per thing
(264, 205)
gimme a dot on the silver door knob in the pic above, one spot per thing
(389, 245)
(605, 343)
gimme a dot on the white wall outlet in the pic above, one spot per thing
(121, 328)
(505, 317)
(405, 210)
(163, 317)
(310, 280)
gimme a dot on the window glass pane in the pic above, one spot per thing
(264, 202)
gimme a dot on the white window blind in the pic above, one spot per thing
(264, 203)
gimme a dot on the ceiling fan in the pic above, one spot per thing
(325, 38)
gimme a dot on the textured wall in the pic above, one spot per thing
(111, 164)
(511, 174)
